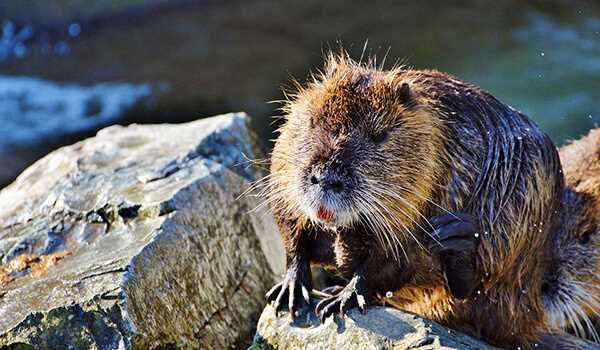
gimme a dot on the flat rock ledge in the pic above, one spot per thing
(381, 328)
(136, 238)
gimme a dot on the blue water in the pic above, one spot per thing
(547, 69)
(34, 110)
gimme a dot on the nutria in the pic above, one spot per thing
(428, 192)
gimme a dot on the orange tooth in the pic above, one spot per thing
(324, 214)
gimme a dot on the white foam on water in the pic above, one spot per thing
(33, 110)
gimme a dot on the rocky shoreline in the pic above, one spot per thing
(140, 238)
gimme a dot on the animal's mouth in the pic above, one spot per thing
(325, 214)
(333, 216)
(329, 209)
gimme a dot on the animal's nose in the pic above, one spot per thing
(328, 182)
(333, 186)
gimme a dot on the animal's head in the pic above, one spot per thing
(358, 144)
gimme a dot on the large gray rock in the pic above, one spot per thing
(380, 328)
(136, 238)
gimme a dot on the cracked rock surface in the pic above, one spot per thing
(380, 328)
(136, 238)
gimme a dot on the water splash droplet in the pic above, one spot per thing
(74, 29)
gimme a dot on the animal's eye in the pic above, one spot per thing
(381, 136)
(585, 238)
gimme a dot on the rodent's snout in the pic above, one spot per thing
(328, 189)
(327, 183)
(327, 179)
(328, 186)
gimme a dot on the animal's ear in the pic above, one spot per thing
(404, 94)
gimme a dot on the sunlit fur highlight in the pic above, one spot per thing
(573, 301)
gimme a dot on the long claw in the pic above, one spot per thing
(327, 311)
(292, 294)
(305, 294)
(271, 291)
(348, 297)
(295, 288)
(333, 290)
(321, 305)
(362, 304)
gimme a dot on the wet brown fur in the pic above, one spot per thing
(460, 148)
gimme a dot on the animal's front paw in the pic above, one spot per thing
(294, 289)
(353, 295)
(456, 237)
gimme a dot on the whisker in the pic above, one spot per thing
(379, 189)
(380, 227)
(387, 221)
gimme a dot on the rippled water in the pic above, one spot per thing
(31, 109)
(542, 58)
(551, 71)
